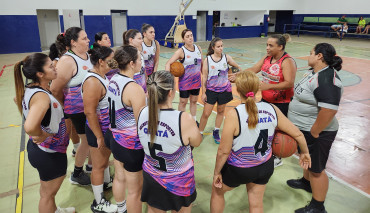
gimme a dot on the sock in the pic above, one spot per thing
(121, 206)
(317, 204)
(106, 175)
(75, 146)
(195, 118)
(98, 192)
(305, 181)
(77, 171)
(217, 128)
(89, 165)
(201, 132)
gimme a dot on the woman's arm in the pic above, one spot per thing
(323, 119)
(257, 67)
(179, 54)
(39, 105)
(134, 96)
(65, 69)
(289, 71)
(156, 58)
(92, 93)
(231, 62)
(189, 130)
(204, 79)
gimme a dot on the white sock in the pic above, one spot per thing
(217, 128)
(106, 175)
(201, 132)
(75, 146)
(98, 191)
(89, 165)
(195, 118)
(121, 206)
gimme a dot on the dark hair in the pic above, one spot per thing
(124, 55)
(145, 27)
(29, 66)
(58, 48)
(212, 45)
(129, 34)
(159, 85)
(98, 37)
(329, 55)
(99, 52)
(184, 32)
(281, 40)
(72, 33)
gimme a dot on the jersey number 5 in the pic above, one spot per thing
(261, 143)
(161, 161)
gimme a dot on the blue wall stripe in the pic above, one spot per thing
(238, 32)
(61, 21)
(209, 27)
(94, 24)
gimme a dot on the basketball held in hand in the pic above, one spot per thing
(283, 145)
(177, 69)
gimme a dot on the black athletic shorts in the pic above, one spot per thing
(49, 165)
(187, 93)
(282, 106)
(91, 138)
(158, 197)
(233, 176)
(319, 149)
(132, 159)
(219, 97)
(79, 121)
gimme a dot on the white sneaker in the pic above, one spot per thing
(277, 162)
(65, 210)
(103, 207)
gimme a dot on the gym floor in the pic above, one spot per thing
(348, 164)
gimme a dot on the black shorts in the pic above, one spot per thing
(282, 106)
(233, 176)
(79, 121)
(319, 149)
(91, 138)
(158, 197)
(187, 93)
(219, 97)
(49, 165)
(132, 159)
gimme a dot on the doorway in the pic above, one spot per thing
(72, 18)
(49, 27)
(119, 25)
(201, 25)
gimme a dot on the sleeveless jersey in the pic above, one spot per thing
(102, 110)
(53, 121)
(273, 74)
(168, 161)
(111, 73)
(122, 119)
(217, 75)
(252, 147)
(73, 103)
(140, 76)
(149, 55)
(192, 62)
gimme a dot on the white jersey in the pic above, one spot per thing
(103, 102)
(218, 75)
(82, 67)
(149, 56)
(252, 147)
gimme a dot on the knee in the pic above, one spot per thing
(119, 177)
(206, 114)
(183, 102)
(221, 111)
(317, 175)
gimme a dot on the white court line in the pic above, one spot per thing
(355, 102)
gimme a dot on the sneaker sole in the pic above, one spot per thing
(216, 142)
(77, 183)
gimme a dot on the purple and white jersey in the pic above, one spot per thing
(217, 75)
(122, 119)
(168, 161)
(140, 77)
(192, 62)
(102, 109)
(73, 103)
(111, 73)
(252, 147)
(149, 56)
(53, 121)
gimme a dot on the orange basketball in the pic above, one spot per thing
(283, 145)
(177, 69)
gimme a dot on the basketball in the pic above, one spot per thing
(177, 69)
(283, 145)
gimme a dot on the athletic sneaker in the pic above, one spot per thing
(103, 207)
(277, 162)
(65, 210)
(73, 153)
(83, 179)
(300, 184)
(310, 209)
(88, 169)
(109, 185)
(216, 136)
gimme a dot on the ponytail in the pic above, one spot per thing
(251, 108)
(153, 111)
(329, 55)
(19, 85)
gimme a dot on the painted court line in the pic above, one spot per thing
(1, 72)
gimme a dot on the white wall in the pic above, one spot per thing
(244, 18)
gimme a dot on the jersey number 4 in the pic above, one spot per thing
(261, 143)
(161, 161)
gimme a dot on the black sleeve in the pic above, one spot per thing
(328, 92)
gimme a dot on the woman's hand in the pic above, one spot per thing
(232, 77)
(41, 138)
(217, 180)
(204, 98)
(305, 160)
(100, 142)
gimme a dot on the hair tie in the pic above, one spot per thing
(249, 94)
(21, 63)
(63, 34)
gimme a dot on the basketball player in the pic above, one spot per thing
(150, 49)
(216, 87)
(166, 135)
(126, 98)
(72, 69)
(93, 91)
(190, 55)
(244, 155)
(44, 123)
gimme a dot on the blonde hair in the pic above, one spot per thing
(247, 82)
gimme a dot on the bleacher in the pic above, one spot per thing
(322, 26)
